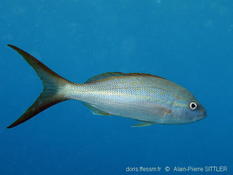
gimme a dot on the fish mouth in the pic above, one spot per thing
(202, 115)
(205, 114)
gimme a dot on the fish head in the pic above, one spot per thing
(186, 109)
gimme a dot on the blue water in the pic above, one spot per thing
(189, 42)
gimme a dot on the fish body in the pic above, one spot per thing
(138, 96)
(143, 97)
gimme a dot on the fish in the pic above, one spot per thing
(146, 98)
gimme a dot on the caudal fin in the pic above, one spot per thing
(52, 88)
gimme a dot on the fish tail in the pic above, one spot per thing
(53, 88)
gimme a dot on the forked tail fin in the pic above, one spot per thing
(51, 94)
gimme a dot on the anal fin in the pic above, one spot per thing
(94, 110)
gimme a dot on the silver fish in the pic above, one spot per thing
(143, 97)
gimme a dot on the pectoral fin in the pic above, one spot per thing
(143, 124)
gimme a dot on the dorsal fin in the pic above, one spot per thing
(112, 74)
(103, 76)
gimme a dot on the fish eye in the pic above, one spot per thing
(193, 105)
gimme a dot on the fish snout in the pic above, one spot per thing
(202, 114)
